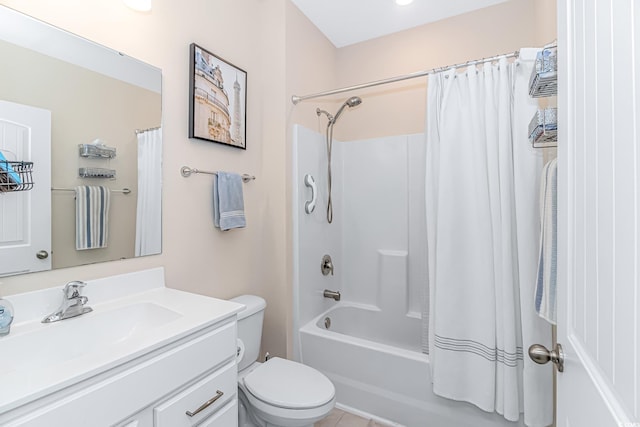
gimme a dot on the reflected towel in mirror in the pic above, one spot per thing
(92, 217)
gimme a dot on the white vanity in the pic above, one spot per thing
(145, 356)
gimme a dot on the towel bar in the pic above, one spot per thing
(186, 172)
(124, 190)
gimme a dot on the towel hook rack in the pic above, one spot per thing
(186, 172)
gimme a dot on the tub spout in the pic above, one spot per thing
(332, 294)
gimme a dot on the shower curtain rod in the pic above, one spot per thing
(147, 130)
(295, 98)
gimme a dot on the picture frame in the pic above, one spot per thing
(217, 99)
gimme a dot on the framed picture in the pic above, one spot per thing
(217, 99)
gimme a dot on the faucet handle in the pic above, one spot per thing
(73, 289)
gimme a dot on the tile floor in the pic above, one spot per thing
(339, 418)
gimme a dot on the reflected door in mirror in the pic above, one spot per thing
(25, 221)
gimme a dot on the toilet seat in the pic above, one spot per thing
(289, 385)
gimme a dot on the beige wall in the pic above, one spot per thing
(84, 105)
(198, 258)
(400, 108)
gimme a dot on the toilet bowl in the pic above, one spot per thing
(278, 392)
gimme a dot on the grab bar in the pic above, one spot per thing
(310, 205)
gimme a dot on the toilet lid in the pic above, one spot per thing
(287, 384)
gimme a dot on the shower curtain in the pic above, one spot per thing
(149, 208)
(482, 225)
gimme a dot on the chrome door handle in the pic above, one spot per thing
(310, 205)
(206, 404)
(541, 355)
(42, 254)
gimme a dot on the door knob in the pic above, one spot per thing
(539, 354)
(42, 255)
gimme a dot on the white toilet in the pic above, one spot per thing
(278, 392)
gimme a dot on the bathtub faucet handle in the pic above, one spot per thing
(326, 266)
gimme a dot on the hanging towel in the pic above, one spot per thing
(228, 203)
(545, 295)
(92, 217)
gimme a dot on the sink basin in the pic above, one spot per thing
(95, 332)
(134, 315)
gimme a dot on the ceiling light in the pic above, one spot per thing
(139, 5)
(403, 2)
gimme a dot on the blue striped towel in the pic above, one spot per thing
(92, 217)
(545, 295)
(228, 202)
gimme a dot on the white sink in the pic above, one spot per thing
(65, 340)
(133, 315)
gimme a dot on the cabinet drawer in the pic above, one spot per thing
(225, 417)
(216, 389)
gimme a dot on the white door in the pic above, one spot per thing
(599, 213)
(25, 216)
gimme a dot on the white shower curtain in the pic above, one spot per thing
(149, 208)
(482, 224)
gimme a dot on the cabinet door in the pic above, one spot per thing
(202, 399)
(225, 417)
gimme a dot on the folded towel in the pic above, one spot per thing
(92, 217)
(9, 178)
(545, 294)
(228, 203)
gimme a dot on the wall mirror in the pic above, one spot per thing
(81, 116)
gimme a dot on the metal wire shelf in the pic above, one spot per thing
(15, 176)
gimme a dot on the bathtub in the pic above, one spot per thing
(379, 371)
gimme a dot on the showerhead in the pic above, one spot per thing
(351, 102)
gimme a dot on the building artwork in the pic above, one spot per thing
(212, 116)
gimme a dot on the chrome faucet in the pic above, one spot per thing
(73, 304)
(331, 294)
(326, 266)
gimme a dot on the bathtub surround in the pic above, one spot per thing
(482, 221)
(372, 349)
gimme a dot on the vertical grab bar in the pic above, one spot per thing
(310, 205)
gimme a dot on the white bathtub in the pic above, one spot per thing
(381, 372)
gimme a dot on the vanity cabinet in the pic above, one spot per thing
(155, 389)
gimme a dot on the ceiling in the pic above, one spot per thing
(346, 22)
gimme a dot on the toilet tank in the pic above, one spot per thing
(249, 329)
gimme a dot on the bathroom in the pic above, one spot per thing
(284, 54)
